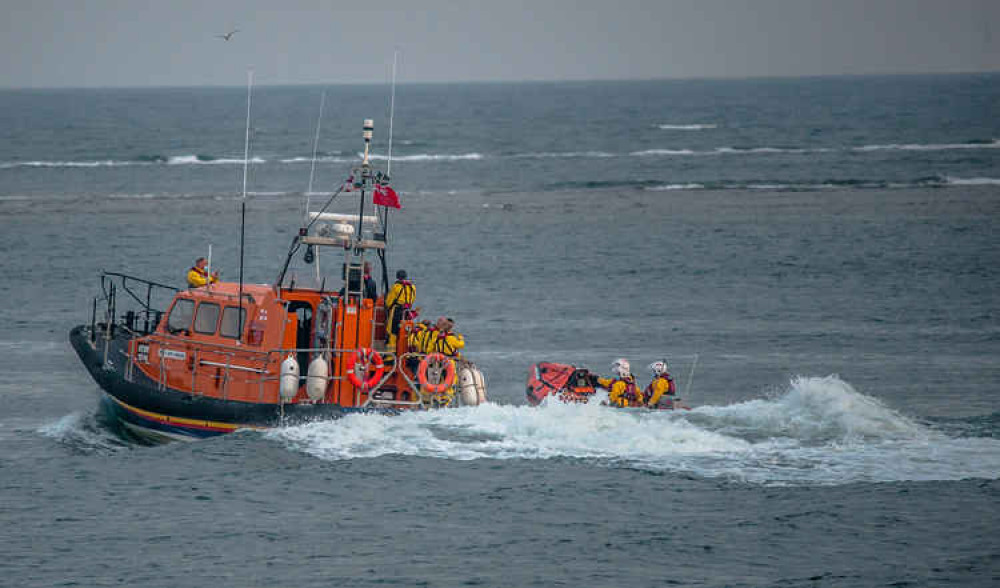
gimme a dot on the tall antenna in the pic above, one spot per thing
(312, 169)
(388, 171)
(243, 202)
(246, 143)
(392, 109)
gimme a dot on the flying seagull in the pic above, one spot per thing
(228, 35)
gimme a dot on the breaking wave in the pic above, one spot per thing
(84, 434)
(819, 431)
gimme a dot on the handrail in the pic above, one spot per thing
(141, 280)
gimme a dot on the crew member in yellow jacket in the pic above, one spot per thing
(622, 390)
(398, 306)
(439, 338)
(447, 341)
(198, 276)
(661, 385)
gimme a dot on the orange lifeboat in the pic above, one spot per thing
(198, 362)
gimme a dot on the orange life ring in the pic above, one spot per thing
(449, 373)
(370, 360)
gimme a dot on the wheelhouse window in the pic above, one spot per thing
(207, 318)
(180, 316)
(231, 321)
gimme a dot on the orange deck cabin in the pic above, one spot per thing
(199, 348)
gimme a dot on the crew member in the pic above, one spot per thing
(371, 292)
(398, 306)
(622, 390)
(198, 276)
(661, 385)
(446, 341)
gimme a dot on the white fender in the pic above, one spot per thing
(480, 385)
(289, 380)
(471, 385)
(317, 378)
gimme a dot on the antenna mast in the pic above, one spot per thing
(392, 109)
(243, 202)
(388, 171)
(312, 169)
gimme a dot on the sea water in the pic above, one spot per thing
(815, 258)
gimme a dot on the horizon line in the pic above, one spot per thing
(517, 81)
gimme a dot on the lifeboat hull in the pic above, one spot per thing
(156, 412)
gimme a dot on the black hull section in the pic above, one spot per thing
(143, 403)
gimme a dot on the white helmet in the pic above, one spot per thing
(658, 367)
(621, 368)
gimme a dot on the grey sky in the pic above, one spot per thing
(48, 43)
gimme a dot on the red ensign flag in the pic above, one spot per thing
(386, 196)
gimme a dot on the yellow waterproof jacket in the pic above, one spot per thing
(449, 343)
(402, 293)
(198, 277)
(621, 391)
(418, 338)
(660, 385)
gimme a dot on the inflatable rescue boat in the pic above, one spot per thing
(572, 384)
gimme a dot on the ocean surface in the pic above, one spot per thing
(817, 259)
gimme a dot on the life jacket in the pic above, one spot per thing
(631, 393)
(407, 293)
(441, 344)
(424, 340)
(201, 273)
(416, 337)
(650, 390)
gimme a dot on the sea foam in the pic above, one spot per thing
(817, 431)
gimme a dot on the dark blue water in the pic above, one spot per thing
(816, 258)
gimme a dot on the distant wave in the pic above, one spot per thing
(651, 152)
(431, 157)
(147, 196)
(808, 150)
(844, 184)
(563, 154)
(994, 144)
(728, 151)
(319, 159)
(208, 160)
(691, 127)
(972, 181)
(143, 160)
(665, 187)
(205, 159)
(104, 163)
